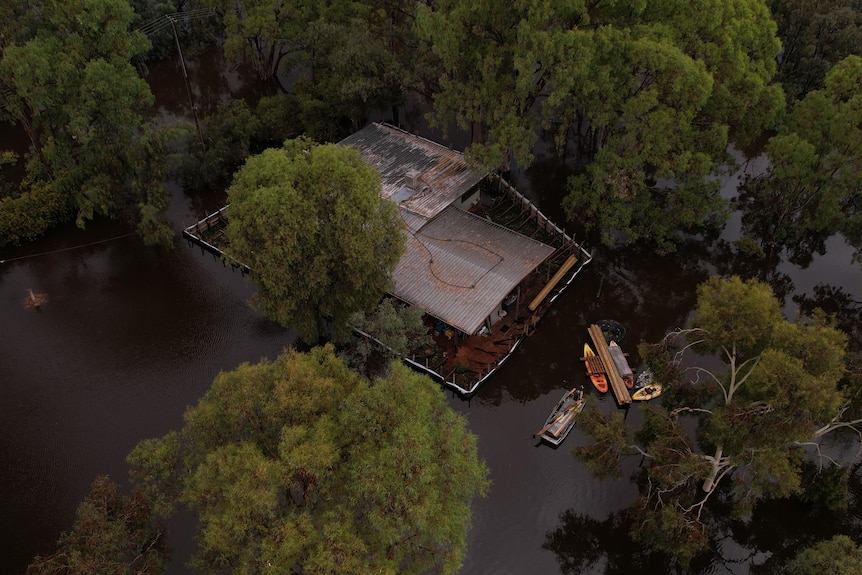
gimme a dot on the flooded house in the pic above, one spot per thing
(480, 260)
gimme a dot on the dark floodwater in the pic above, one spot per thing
(129, 337)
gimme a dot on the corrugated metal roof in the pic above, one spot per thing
(443, 174)
(459, 267)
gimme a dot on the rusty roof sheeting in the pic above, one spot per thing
(459, 267)
(443, 174)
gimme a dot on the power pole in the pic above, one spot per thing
(186, 79)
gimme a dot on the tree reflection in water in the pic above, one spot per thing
(778, 530)
(585, 545)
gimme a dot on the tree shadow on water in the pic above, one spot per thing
(845, 308)
(586, 545)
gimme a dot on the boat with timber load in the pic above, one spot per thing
(595, 369)
(622, 364)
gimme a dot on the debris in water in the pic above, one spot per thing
(35, 299)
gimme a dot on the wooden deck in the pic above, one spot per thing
(612, 373)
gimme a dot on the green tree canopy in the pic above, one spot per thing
(112, 535)
(777, 392)
(302, 463)
(837, 556)
(346, 58)
(399, 331)
(227, 134)
(70, 85)
(322, 242)
(812, 187)
(650, 92)
(814, 36)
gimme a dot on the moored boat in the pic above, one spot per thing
(650, 391)
(562, 417)
(622, 364)
(595, 369)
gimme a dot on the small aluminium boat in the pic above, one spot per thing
(644, 378)
(562, 418)
(622, 364)
(595, 369)
(650, 391)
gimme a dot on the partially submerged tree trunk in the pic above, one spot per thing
(709, 482)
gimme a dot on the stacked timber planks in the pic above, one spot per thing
(594, 364)
(614, 378)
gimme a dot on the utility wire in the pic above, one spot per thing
(66, 249)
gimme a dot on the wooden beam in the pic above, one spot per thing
(567, 265)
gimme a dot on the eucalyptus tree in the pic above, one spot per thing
(112, 534)
(263, 31)
(837, 556)
(488, 80)
(779, 391)
(813, 186)
(703, 78)
(69, 83)
(227, 134)
(321, 241)
(343, 58)
(301, 465)
(650, 93)
(815, 36)
(399, 331)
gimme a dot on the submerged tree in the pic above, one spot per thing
(301, 465)
(815, 36)
(399, 331)
(345, 58)
(112, 534)
(227, 135)
(777, 395)
(812, 187)
(837, 556)
(650, 93)
(322, 242)
(69, 83)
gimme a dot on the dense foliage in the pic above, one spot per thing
(648, 92)
(777, 392)
(346, 58)
(300, 463)
(399, 331)
(814, 37)
(811, 189)
(113, 535)
(322, 242)
(837, 556)
(67, 80)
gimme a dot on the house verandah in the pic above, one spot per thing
(480, 260)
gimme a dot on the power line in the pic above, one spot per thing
(66, 249)
(154, 26)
